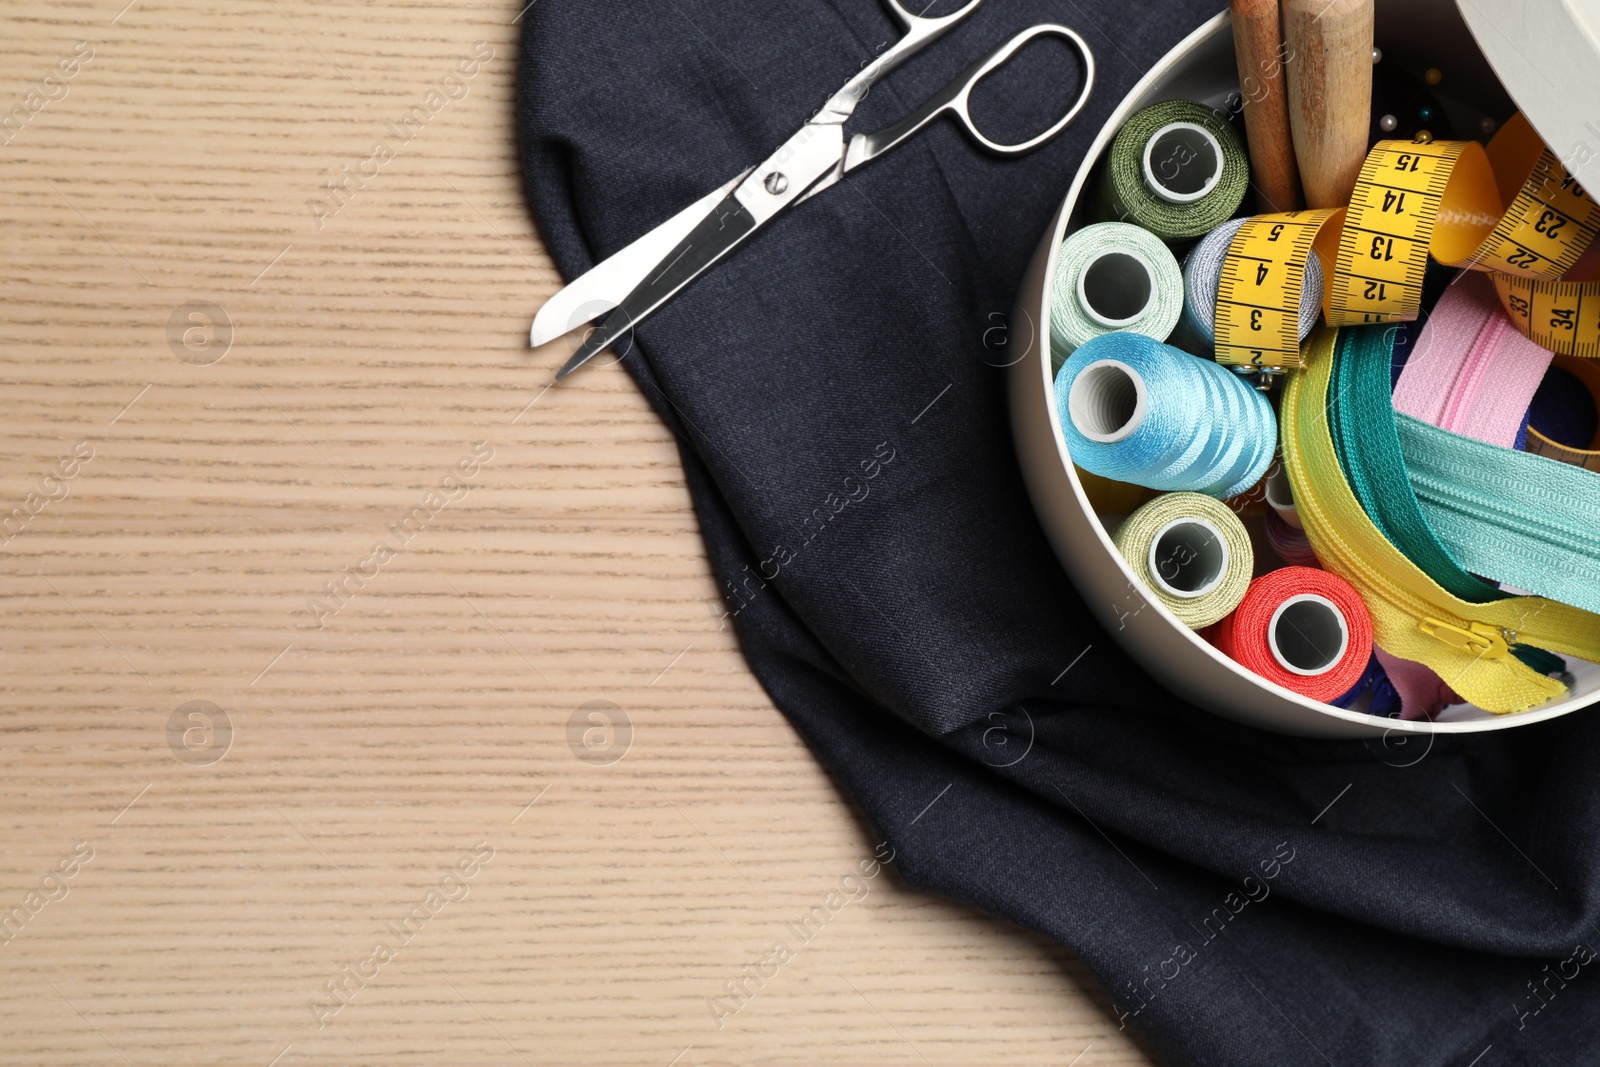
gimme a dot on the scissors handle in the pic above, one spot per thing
(955, 99)
(921, 31)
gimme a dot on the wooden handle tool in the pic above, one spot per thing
(1330, 93)
(1260, 52)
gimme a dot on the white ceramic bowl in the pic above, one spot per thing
(1417, 34)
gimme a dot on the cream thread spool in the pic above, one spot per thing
(1193, 554)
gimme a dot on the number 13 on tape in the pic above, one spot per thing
(1258, 296)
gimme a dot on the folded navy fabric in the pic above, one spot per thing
(836, 387)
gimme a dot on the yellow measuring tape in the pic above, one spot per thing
(1258, 296)
(1561, 316)
(1512, 210)
(1398, 215)
(1584, 454)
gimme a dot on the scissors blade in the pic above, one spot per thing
(605, 285)
(729, 223)
(783, 180)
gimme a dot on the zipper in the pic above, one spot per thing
(1480, 357)
(1469, 635)
(1472, 636)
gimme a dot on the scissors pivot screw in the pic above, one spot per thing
(777, 184)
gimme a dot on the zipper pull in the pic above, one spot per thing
(1477, 639)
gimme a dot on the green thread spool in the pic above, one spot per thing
(1192, 552)
(1112, 276)
(1176, 169)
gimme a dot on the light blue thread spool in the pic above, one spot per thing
(1135, 410)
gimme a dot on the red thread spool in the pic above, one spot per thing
(1302, 628)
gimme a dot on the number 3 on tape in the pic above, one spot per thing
(1258, 296)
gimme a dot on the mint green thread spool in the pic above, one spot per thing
(1112, 276)
(1175, 169)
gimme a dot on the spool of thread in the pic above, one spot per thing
(1330, 93)
(1112, 276)
(1175, 168)
(1192, 552)
(1562, 423)
(1385, 701)
(1135, 410)
(1302, 628)
(1202, 276)
(1280, 496)
(1290, 543)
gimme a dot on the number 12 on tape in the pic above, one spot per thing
(1258, 296)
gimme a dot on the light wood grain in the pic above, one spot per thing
(1330, 93)
(429, 716)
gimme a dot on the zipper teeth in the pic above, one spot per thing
(1401, 598)
(1444, 495)
(1411, 603)
(1479, 355)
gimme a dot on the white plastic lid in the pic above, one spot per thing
(1546, 53)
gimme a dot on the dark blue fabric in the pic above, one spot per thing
(1245, 898)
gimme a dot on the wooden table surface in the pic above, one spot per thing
(267, 280)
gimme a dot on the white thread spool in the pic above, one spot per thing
(1279, 496)
(1182, 163)
(1117, 287)
(1188, 558)
(1108, 401)
(1303, 630)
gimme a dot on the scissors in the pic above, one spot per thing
(641, 278)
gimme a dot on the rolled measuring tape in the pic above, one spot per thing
(1176, 169)
(1202, 277)
(1301, 628)
(1262, 285)
(1135, 410)
(1562, 316)
(1112, 276)
(1512, 210)
(1545, 440)
(1192, 552)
